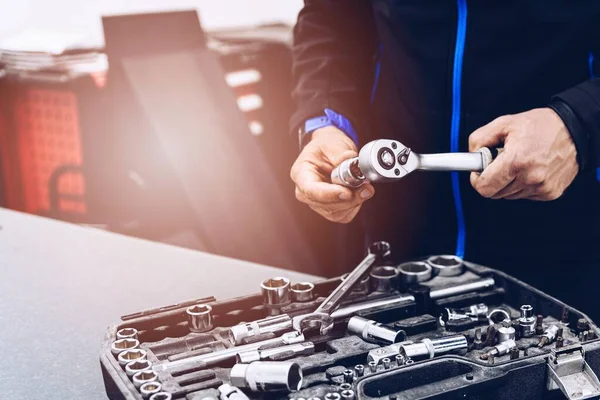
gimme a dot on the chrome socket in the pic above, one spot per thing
(142, 377)
(347, 394)
(363, 287)
(527, 321)
(348, 174)
(266, 376)
(275, 292)
(345, 386)
(505, 333)
(127, 333)
(359, 370)
(456, 344)
(127, 356)
(274, 324)
(374, 332)
(348, 376)
(229, 392)
(384, 278)
(136, 366)
(446, 265)
(414, 272)
(162, 396)
(121, 345)
(302, 292)
(333, 396)
(199, 318)
(150, 388)
(387, 363)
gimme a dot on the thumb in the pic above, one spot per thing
(490, 135)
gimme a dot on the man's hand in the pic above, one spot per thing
(311, 173)
(539, 158)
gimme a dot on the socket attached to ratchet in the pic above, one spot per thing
(387, 160)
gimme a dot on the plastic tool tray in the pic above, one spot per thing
(336, 365)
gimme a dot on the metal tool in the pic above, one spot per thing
(384, 279)
(302, 291)
(387, 363)
(127, 356)
(321, 318)
(229, 392)
(490, 336)
(372, 366)
(348, 376)
(446, 265)
(514, 353)
(265, 376)
(120, 345)
(374, 332)
(277, 353)
(539, 325)
(127, 333)
(456, 344)
(347, 394)
(199, 318)
(414, 272)
(527, 321)
(550, 334)
(275, 292)
(136, 366)
(359, 370)
(142, 377)
(363, 287)
(469, 287)
(387, 160)
(500, 350)
(478, 341)
(230, 353)
(582, 325)
(506, 333)
(492, 316)
(150, 388)
(345, 386)
(333, 396)
(400, 360)
(274, 324)
(475, 312)
(164, 396)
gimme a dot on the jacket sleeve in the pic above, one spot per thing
(333, 59)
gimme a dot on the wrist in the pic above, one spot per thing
(573, 127)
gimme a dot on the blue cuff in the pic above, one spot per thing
(332, 118)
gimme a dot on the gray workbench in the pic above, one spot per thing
(61, 285)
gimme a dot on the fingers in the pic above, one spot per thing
(342, 217)
(357, 197)
(313, 187)
(490, 135)
(497, 176)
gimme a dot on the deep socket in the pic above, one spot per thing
(127, 356)
(136, 366)
(302, 292)
(359, 370)
(142, 377)
(150, 388)
(127, 333)
(446, 265)
(374, 332)
(121, 345)
(527, 321)
(264, 376)
(348, 376)
(199, 318)
(384, 278)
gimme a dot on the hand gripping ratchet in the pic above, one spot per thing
(387, 160)
(321, 318)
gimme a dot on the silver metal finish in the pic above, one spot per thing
(372, 366)
(277, 353)
(387, 363)
(527, 321)
(506, 333)
(302, 291)
(230, 353)
(347, 394)
(500, 311)
(475, 312)
(348, 376)
(265, 376)
(142, 377)
(569, 372)
(127, 356)
(274, 324)
(164, 396)
(456, 344)
(376, 356)
(550, 334)
(500, 350)
(150, 388)
(464, 288)
(373, 305)
(446, 265)
(228, 392)
(363, 287)
(374, 332)
(136, 366)
(321, 317)
(120, 345)
(415, 272)
(333, 396)
(127, 333)
(384, 278)
(199, 318)
(359, 370)
(275, 291)
(345, 386)
(348, 174)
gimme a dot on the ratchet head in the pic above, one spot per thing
(386, 160)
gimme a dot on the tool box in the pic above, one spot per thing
(440, 328)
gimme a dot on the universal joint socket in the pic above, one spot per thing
(374, 332)
(476, 312)
(266, 376)
(527, 321)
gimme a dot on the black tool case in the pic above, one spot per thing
(537, 373)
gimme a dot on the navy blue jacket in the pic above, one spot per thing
(428, 73)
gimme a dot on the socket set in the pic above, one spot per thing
(434, 328)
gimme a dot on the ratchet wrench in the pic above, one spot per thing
(321, 318)
(387, 160)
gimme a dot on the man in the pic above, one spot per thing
(446, 75)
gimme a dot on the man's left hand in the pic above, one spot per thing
(539, 160)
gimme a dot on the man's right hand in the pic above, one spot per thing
(311, 172)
